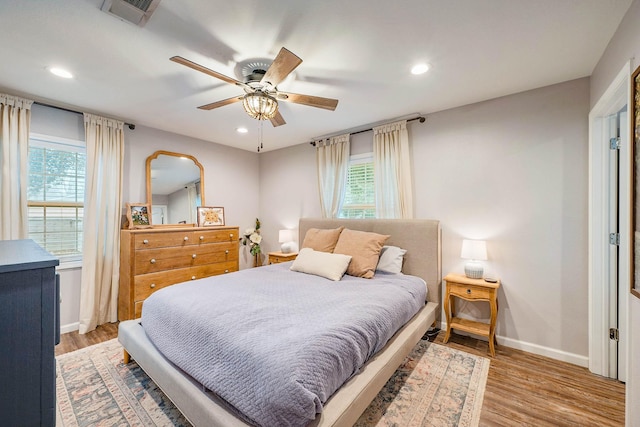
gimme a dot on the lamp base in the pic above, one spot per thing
(287, 248)
(473, 270)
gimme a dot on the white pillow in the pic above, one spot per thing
(323, 264)
(391, 258)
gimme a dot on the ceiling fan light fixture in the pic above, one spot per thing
(259, 105)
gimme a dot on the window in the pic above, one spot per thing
(56, 194)
(359, 197)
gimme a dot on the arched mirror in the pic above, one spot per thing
(175, 187)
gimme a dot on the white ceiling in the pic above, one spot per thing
(359, 52)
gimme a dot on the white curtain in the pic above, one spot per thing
(392, 171)
(332, 158)
(102, 213)
(15, 118)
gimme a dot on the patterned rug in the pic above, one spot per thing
(435, 386)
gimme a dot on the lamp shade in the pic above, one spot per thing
(474, 249)
(285, 236)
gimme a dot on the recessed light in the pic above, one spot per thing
(60, 72)
(420, 68)
(242, 130)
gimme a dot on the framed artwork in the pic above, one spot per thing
(138, 215)
(209, 217)
(635, 195)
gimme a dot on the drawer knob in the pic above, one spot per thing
(231, 236)
(153, 285)
(468, 291)
(227, 251)
(193, 277)
(145, 241)
(226, 271)
(186, 238)
(201, 237)
(153, 261)
(193, 256)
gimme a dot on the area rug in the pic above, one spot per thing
(435, 386)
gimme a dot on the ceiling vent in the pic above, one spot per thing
(135, 11)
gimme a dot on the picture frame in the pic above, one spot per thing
(139, 215)
(635, 194)
(210, 216)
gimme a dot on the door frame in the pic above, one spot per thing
(611, 102)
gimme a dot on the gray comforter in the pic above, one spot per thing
(275, 344)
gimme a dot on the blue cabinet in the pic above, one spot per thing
(29, 305)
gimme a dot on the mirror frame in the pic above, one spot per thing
(635, 169)
(174, 154)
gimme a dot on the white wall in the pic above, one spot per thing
(624, 46)
(511, 170)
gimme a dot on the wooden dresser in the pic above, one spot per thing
(151, 259)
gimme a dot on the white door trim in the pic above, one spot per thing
(612, 101)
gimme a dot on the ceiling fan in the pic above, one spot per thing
(261, 96)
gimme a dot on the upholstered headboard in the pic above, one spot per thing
(420, 237)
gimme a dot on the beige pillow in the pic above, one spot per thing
(323, 264)
(364, 248)
(321, 240)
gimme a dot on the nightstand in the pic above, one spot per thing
(278, 257)
(460, 286)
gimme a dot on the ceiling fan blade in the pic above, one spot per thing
(285, 63)
(221, 103)
(312, 101)
(277, 120)
(202, 69)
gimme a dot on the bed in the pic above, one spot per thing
(421, 239)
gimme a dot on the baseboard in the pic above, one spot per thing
(540, 350)
(69, 327)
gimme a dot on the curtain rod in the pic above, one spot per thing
(420, 118)
(131, 125)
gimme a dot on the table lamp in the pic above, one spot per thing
(286, 238)
(475, 251)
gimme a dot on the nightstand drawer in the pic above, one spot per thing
(469, 291)
(278, 257)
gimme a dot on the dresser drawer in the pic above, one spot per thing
(163, 240)
(160, 259)
(213, 269)
(146, 284)
(469, 292)
(215, 236)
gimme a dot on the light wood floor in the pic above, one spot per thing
(523, 389)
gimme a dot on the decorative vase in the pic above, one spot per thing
(256, 260)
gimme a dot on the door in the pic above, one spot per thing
(616, 124)
(609, 212)
(614, 239)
